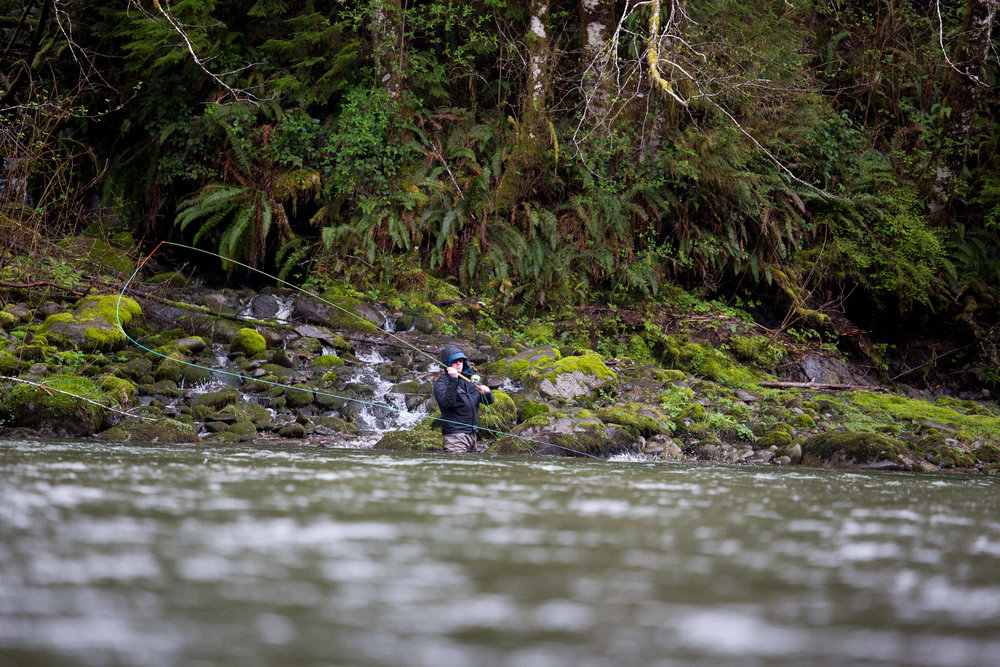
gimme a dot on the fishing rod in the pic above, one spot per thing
(125, 287)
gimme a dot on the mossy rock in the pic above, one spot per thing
(162, 430)
(640, 420)
(802, 420)
(57, 412)
(216, 399)
(526, 408)
(334, 424)
(988, 453)
(570, 436)
(259, 416)
(774, 438)
(421, 438)
(858, 449)
(8, 321)
(577, 375)
(120, 390)
(11, 365)
(298, 396)
(248, 342)
(93, 324)
(498, 417)
(245, 431)
(526, 364)
(946, 452)
(326, 362)
(293, 430)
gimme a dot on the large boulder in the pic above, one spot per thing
(64, 406)
(570, 436)
(555, 376)
(338, 312)
(860, 449)
(93, 324)
(160, 431)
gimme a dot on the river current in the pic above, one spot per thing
(162, 555)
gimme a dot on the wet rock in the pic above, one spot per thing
(573, 436)
(244, 431)
(292, 430)
(792, 452)
(191, 344)
(859, 449)
(248, 342)
(782, 461)
(665, 447)
(160, 431)
(216, 399)
(298, 396)
(68, 405)
(93, 324)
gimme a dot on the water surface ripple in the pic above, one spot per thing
(156, 555)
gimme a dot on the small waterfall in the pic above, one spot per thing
(384, 410)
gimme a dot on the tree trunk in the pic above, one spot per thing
(533, 128)
(597, 21)
(963, 88)
(387, 46)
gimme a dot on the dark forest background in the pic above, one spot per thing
(825, 166)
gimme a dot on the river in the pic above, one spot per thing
(162, 555)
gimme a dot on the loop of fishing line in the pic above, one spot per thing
(125, 287)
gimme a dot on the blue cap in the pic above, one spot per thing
(455, 357)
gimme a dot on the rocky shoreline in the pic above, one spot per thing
(280, 368)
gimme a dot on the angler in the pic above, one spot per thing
(459, 395)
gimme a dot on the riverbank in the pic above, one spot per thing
(227, 366)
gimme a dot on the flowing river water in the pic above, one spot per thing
(157, 555)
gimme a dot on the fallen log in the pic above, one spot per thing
(823, 385)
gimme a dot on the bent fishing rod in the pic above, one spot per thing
(125, 287)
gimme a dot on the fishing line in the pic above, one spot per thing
(125, 287)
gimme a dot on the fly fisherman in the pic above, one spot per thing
(458, 395)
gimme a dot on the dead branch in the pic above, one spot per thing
(823, 385)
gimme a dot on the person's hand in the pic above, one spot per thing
(452, 372)
(483, 389)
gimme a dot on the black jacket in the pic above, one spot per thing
(459, 402)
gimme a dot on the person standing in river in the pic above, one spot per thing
(459, 399)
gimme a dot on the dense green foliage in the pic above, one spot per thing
(822, 160)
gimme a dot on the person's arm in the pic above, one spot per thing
(446, 392)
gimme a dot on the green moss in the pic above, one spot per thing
(60, 410)
(775, 438)
(249, 412)
(526, 364)
(162, 430)
(900, 408)
(299, 395)
(803, 420)
(421, 438)
(248, 342)
(498, 417)
(327, 361)
(988, 453)
(8, 321)
(589, 363)
(93, 325)
(244, 431)
(852, 448)
(945, 452)
(757, 350)
(640, 420)
(118, 389)
(216, 399)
